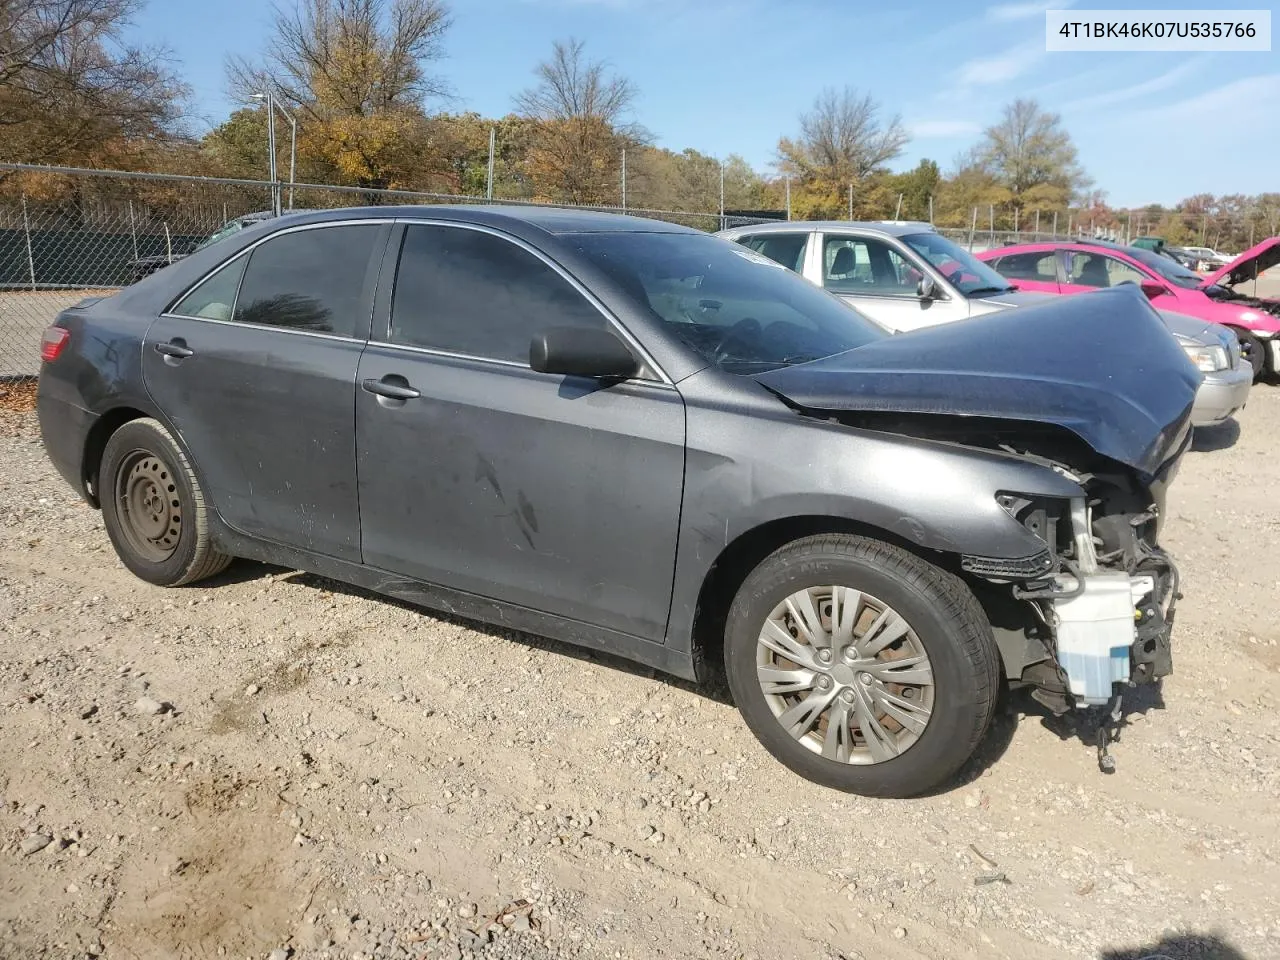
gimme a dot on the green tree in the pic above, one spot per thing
(1032, 157)
(354, 71)
(74, 91)
(843, 142)
(917, 187)
(581, 110)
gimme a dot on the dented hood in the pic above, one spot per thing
(1248, 265)
(1102, 365)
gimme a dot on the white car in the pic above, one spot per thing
(902, 274)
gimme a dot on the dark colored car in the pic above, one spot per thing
(145, 266)
(646, 440)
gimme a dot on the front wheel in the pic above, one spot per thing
(153, 507)
(1253, 350)
(861, 666)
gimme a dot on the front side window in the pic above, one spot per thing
(473, 293)
(963, 270)
(738, 310)
(1098, 271)
(861, 265)
(310, 280)
(784, 248)
(1039, 267)
(215, 297)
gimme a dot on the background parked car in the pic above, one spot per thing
(903, 275)
(145, 266)
(1079, 266)
(1210, 260)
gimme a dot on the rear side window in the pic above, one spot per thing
(311, 280)
(1040, 266)
(472, 293)
(214, 298)
(784, 248)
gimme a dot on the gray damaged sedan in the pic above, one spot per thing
(652, 442)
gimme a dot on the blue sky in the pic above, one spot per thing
(731, 76)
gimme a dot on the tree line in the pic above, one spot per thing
(359, 77)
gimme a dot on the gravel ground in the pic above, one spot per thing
(273, 765)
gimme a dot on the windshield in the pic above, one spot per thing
(966, 272)
(1171, 270)
(740, 311)
(226, 230)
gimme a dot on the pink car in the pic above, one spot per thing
(1229, 296)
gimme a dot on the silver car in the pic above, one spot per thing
(905, 275)
(902, 274)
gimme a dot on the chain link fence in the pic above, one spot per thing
(67, 234)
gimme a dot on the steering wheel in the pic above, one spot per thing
(745, 326)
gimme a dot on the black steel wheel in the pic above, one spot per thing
(153, 507)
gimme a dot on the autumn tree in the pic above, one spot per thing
(1030, 154)
(355, 72)
(73, 91)
(582, 112)
(916, 187)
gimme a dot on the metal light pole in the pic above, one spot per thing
(488, 180)
(272, 106)
(624, 179)
(788, 198)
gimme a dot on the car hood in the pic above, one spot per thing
(1248, 265)
(1101, 365)
(1192, 328)
(1005, 301)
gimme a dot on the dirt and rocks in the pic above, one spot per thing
(276, 766)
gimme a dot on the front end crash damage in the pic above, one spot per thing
(1092, 388)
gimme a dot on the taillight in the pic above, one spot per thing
(51, 344)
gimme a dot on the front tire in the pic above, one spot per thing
(153, 507)
(1254, 351)
(861, 666)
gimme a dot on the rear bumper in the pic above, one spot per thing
(1222, 394)
(64, 428)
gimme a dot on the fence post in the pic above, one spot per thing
(624, 176)
(133, 231)
(488, 180)
(1037, 223)
(788, 198)
(1055, 224)
(851, 201)
(991, 221)
(931, 208)
(26, 229)
(1069, 215)
(973, 225)
(168, 242)
(897, 212)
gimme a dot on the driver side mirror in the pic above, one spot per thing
(582, 352)
(926, 289)
(1153, 289)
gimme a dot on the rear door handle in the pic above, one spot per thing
(174, 351)
(391, 386)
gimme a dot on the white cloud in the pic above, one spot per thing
(1162, 82)
(1025, 11)
(1001, 68)
(1229, 101)
(941, 129)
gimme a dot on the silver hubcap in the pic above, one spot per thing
(845, 675)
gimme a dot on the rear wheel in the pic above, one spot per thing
(861, 666)
(153, 508)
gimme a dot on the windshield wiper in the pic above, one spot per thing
(977, 290)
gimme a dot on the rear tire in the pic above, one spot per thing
(153, 507)
(926, 698)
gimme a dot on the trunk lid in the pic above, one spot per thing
(1102, 365)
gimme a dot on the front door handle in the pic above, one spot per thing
(175, 351)
(392, 387)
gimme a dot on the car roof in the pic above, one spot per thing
(552, 220)
(884, 228)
